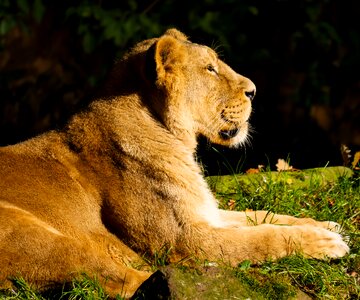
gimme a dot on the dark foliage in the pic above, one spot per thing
(304, 57)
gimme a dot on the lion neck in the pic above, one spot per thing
(173, 115)
(126, 122)
(181, 126)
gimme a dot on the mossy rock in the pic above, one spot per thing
(214, 283)
(231, 184)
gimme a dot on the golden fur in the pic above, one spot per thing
(121, 179)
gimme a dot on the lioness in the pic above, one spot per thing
(120, 179)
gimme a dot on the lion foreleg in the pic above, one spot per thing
(266, 241)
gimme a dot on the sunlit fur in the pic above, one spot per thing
(120, 179)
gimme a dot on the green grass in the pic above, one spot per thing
(83, 288)
(303, 194)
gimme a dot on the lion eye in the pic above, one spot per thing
(211, 68)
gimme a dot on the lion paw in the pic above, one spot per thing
(322, 243)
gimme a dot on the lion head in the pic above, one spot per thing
(191, 91)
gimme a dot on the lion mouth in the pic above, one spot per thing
(228, 134)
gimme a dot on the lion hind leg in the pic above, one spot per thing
(40, 254)
(252, 218)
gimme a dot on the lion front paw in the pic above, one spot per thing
(321, 243)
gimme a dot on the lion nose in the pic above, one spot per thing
(250, 94)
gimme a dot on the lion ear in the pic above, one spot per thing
(169, 55)
(176, 34)
(163, 58)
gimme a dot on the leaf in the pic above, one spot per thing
(259, 169)
(356, 162)
(231, 204)
(6, 25)
(23, 5)
(348, 159)
(38, 10)
(289, 181)
(346, 154)
(282, 165)
(253, 10)
(252, 171)
(246, 264)
(88, 42)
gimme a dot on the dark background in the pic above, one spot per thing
(304, 57)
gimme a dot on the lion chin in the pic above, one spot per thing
(121, 179)
(233, 137)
